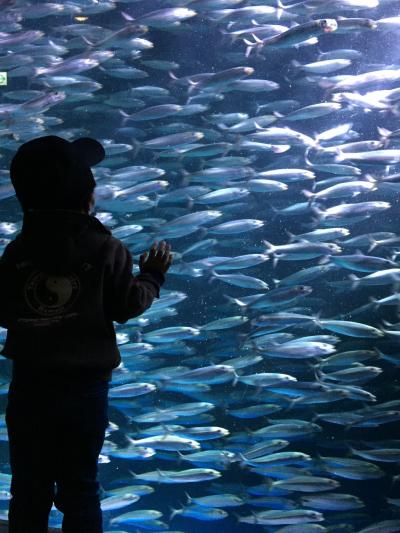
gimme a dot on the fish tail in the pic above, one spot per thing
(127, 16)
(318, 212)
(355, 281)
(235, 301)
(212, 276)
(291, 236)
(373, 245)
(395, 479)
(251, 45)
(38, 71)
(269, 247)
(294, 402)
(232, 38)
(280, 148)
(384, 133)
(87, 41)
(174, 512)
(124, 115)
(172, 75)
(309, 195)
(136, 147)
(243, 457)
(374, 302)
(340, 156)
(235, 379)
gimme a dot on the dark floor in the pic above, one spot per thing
(4, 528)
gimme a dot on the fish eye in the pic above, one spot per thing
(324, 23)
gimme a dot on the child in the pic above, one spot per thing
(63, 281)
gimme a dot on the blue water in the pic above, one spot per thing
(198, 46)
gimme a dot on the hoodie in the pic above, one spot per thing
(64, 280)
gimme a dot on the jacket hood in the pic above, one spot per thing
(51, 238)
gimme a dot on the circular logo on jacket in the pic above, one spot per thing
(50, 295)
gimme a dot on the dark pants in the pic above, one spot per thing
(56, 431)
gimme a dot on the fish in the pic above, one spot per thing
(259, 137)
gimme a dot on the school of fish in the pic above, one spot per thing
(261, 139)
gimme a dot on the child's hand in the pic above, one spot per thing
(156, 259)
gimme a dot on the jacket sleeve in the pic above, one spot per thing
(4, 298)
(126, 295)
(7, 281)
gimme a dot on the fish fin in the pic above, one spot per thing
(383, 132)
(280, 148)
(315, 416)
(174, 512)
(292, 403)
(172, 75)
(87, 41)
(124, 115)
(166, 430)
(235, 379)
(212, 276)
(373, 245)
(378, 352)
(160, 474)
(318, 212)
(309, 195)
(127, 16)
(248, 50)
(251, 45)
(37, 71)
(291, 236)
(233, 38)
(370, 178)
(223, 127)
(242, 456)
(355, 281)
(319, 376)
(374, 302)
(136, 147)
(234, 301)
(340, 156)
(323, 260)
(269, 247)
(395, 479)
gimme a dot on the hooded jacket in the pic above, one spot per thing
(63, 281)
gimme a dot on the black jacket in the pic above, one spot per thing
(63, 281)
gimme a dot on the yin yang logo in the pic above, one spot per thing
(49, 295)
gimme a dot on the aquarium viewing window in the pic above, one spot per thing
(260, 391)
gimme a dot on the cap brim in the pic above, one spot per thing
(89, 151)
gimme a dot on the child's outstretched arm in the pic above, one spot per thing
(128, 296)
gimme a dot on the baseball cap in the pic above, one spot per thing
(51, 172)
